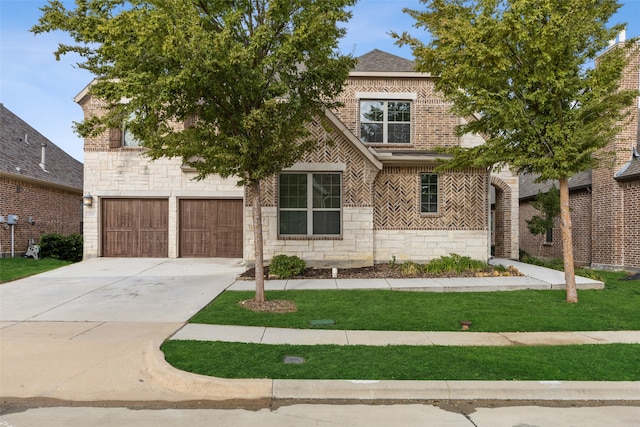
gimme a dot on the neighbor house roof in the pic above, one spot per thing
(631, 170)
(21, 147)
(379, 61)
(529, 188)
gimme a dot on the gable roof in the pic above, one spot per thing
(529, 187)
(379, 61)
(21, 148)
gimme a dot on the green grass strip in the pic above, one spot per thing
(613, 308)
(19, 267)
(614, 362)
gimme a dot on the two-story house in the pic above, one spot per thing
(368, 193)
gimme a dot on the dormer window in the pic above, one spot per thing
(385, 121)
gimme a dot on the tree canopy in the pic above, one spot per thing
(247, 75)
(522, 72)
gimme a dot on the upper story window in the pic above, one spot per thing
(384, 121)
(309, 204)
(429, 193)
(128, 139)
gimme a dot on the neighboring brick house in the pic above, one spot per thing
(367, 194)
(605, 202)
(616, 191)
(549, 245)
(39, 183)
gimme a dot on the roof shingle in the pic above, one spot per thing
(21, 148)
(379, 61)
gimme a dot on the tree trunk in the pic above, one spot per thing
(258, 246)
(567, 242)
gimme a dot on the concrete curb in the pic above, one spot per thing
(455, 390)
(182, 386)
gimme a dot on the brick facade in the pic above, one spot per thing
(52, 210)
(536, 245)
(615, 211)
(38, 182)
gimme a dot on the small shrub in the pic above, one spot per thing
(589, 274)
(410, 268)
(393, 263)
(65, 248)
(500, 268)
(454, 263)
(285, 266)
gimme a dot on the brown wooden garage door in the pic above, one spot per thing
(135, 228)
(211, 228)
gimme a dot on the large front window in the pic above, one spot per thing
(385, 122)
(309, 204)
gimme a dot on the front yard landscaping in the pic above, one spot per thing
(613, 308)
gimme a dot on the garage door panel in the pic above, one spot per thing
(195, 243)
(228, 245)
(135, 227)
(117, 243)
(211, 228)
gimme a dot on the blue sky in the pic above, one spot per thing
(40, 90)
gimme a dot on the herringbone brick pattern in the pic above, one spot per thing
(397, 201)
(332, 147)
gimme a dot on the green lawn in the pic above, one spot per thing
(19, 267)
(613, 308)
(566, 363)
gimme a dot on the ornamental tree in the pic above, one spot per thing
(245, 76)
(522, 71)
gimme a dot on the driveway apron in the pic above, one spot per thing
(85, 331)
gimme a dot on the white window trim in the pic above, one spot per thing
(385, 96)
(385, 122)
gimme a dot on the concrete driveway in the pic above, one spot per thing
(91, 331)
(118, 290)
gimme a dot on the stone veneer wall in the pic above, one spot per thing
(127, 173)
(424, 245)
(54, 210)
(353, 249)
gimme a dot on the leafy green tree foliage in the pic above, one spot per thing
(245, 76)
(519, 70)
(548, 204)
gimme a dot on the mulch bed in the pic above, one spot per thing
(269, 306)
(377, 271)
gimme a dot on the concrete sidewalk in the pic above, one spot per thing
(262, 335)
